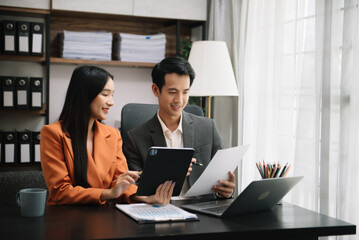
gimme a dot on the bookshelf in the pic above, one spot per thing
(25, 66)
(20, 60)
(61, 20)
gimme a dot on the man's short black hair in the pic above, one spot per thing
(171, 65)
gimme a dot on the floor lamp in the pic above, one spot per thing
(214, 73)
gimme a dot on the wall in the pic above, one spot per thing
(131, 85)
(38, 4)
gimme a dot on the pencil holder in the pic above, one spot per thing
(272, 170)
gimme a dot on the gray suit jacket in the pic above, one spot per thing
(199, 133)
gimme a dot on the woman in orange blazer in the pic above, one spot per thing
(81, 158)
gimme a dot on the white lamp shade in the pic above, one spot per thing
(214, 73)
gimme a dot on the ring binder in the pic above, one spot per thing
(25, 151)
(22, 92)
(37, 38)
(36, 93)
(1, 147)
(1, 94)
(10, 147)
(9, 31)
(8, 89)
(1, 42)
(23, 29)
(36, 147)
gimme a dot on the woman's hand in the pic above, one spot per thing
(226, 187)
(122, 183)
(162, 196)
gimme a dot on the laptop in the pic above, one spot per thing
(259, 195)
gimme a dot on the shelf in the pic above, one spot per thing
(23, 58)
(24, 11)
(119, 17)
(25, 111)
(79, 21)
(106, 63)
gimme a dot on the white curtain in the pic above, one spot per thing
(297, 67)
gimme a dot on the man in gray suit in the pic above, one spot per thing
(172, 127)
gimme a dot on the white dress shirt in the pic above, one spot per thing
(175, 140)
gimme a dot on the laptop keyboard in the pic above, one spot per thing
(218, 210)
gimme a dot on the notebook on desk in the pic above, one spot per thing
(259, 195)
(152, 213)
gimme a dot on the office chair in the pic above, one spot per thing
(13, 181)
(134, 114)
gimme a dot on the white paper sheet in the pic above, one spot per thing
(223, 161)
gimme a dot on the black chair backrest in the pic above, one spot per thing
(12, 182)
(135, 114)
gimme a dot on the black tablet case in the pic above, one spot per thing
(164, 164)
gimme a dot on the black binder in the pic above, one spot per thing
(1, 147)
(1, 93)
(116, 46)
(8, 92)
(36, 147)
(23, 38)
(1, 48)
(36, 86)
(22, 92)
(10, 147)
(25, 146)
(37, 38)
(9, 32)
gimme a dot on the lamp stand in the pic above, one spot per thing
(209, 106)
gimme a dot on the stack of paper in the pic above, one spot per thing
(86, 45)
(141, 48)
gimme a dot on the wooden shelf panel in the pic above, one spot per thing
(24, 11)
(106, 63)
(23, 58)
(25, 111)
(119, 17)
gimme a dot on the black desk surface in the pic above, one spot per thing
(106, 222)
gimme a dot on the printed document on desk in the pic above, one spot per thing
(223, 161)
(152, 213)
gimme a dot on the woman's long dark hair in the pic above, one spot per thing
(85, 84)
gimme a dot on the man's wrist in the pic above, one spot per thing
(219, 196)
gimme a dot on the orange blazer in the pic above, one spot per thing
(57, 163)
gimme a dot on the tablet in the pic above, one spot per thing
(164, 164)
